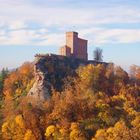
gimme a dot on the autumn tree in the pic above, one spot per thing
(135, 74)
(14, 129)
(93, 77)
(19, 81)
(98, 102)
(119, 132)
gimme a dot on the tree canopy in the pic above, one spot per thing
(99, 103)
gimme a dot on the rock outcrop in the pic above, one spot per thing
(50, 71)
(41, 87)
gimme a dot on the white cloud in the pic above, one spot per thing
(14, 38)
(53, 40)
(31, 37)
(41, 37)
(69, 16)
(16, 17)
(101, 36)
(15, 25)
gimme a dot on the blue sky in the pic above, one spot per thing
(28, 27)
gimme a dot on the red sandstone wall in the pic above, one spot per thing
(65, 51)
(82, 49)
(68, 51)
(75, 46)
(71, 40)
(62, 51)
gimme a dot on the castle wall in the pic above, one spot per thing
(62, 51)
(82, 49)
(75, 46)
(71, 40)
(65, 51)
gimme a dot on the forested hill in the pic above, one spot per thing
(87, 102)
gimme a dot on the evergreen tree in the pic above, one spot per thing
(3, 75)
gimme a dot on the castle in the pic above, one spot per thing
(51, 69)
(75, 46)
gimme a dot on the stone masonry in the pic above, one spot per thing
(75, 46)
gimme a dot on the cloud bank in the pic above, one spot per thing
(27, 23)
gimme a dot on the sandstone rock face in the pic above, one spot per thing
(41, 87)
(50, 71)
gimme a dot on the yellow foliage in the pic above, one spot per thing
(14, 129)
(94, 100)
(19, 81)
(136, 122)
(100, 135)
(50, 130)
(29, 135)
(4, 127)
(63, 132)
(5, 130)
(76, 133)
(74, 126)
(119, 132)
(19, 120)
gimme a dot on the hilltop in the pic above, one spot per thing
(58, 97)
(50, 70)
(68, 97)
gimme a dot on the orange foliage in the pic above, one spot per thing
(98, 103)
(19, 81)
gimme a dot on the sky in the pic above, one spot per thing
(28, 27)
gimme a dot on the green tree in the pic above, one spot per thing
(3, 75)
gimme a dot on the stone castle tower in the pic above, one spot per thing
(75, 46)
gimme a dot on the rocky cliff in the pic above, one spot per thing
(50, 71)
